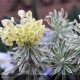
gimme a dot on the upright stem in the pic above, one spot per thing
(30, 65)
(30, 72)
(35, 76)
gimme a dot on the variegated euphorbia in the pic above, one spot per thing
(27, 56)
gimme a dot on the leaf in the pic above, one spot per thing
(57, 70)
(68, 69)
(79, 60)
(53, 50)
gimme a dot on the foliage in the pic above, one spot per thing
(64, 55)
(27, 35)
(74, 41)
(61, 59)
(59, 23)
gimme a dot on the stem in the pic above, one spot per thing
(35, 75)
(30, 72)
(30, 66)
(45, 77)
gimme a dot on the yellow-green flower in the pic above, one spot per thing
(26, 29)
(34, 27)
(29, 14)
(10, 33)
(31, 39)
(15, 37)
(39, 22)
(31, 34)
(8, 42)
(20, 42)
(7, 23)
(36, 39)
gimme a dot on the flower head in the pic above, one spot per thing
(29, 30)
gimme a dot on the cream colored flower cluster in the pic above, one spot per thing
(29, 30)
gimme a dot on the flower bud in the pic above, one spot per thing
(22, 13)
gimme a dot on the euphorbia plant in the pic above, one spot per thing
(63, 56)
(27, 36)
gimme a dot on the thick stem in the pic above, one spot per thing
(35, 76)
(34, 73)
(30, 65)
(30, 72)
